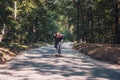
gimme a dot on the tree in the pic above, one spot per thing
(78, 24)
(117, 29)
(95, 21)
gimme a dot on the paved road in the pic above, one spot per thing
(40, 64)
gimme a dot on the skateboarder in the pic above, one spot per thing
(58, 39)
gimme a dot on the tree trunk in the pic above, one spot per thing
(91, 26)
(105, 32)
(84, 36)
(117, 32)
(78, 24)
(2, 33)
(15, 9)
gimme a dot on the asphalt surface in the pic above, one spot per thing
(41, 64)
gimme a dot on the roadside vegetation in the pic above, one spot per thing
(8, 52)
(109, 53)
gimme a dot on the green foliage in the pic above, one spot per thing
(38, 20)
(68, 36)
(96, 20)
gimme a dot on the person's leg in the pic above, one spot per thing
(56, 45)
(59, 48)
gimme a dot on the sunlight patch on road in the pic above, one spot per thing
(41, 64)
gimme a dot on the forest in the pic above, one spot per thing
(27, 21)
(32, 21)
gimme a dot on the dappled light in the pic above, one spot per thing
(104, 52)
(6, 55)
(40, 63)
(29, 28)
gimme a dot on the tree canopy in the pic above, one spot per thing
(27, 21)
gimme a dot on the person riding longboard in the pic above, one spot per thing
(58, 39)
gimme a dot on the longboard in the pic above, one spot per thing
(58, 55)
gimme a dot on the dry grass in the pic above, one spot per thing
(6, 55)
(104, 52)
(8, 52)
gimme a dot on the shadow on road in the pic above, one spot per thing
(72, 66)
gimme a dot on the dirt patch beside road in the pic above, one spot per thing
(6, 55)
(9, 51)
(104, 52)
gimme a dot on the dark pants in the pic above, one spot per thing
(58, 47)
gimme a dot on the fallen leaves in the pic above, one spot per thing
(104, 52)
(6, 55)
